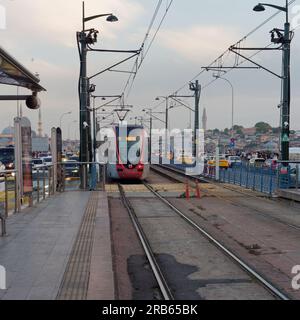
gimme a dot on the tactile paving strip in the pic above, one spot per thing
(76, 278)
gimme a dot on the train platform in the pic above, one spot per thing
(289, 194)
(59, 250)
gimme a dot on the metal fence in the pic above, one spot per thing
(262, 179)
(259, 179)
(47, 181)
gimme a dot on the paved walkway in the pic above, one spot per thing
(41, 241)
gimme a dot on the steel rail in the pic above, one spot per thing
(266, 198)
(254, 274)
(162, 283)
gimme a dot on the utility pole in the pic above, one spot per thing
(285, 138)
(84, 123)
(196, 88)
(151, 129)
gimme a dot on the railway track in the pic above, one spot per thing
(202, 179)
(160, 278)
(253, 273)
(161, 281)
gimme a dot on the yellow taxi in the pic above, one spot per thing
(223, 163)
(185, 159)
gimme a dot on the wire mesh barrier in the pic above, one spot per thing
(47, 181)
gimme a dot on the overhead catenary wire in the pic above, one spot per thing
(237, 44)
(145, 51)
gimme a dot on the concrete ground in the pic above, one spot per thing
(195, 268)
(41, 240)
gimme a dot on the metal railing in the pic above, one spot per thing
(289, 175)
(7, 180)
(46, 184)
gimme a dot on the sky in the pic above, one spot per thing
(41, 35)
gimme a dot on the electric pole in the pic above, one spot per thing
(196, 88)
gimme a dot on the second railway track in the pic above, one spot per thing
(160, 274)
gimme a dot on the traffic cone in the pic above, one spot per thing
(187, 190)
(198, 192)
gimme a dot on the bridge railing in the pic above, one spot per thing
(259, 179)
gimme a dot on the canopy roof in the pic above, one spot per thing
(15, 74)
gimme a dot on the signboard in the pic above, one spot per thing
(26, 156)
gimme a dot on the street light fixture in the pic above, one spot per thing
(62, 116)
(285, 39)
(232, 106)
(84, 39)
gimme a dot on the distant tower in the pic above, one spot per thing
(204, 120)
(40, 124)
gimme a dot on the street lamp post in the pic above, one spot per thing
(167, 122)
(84, 39)
(286, 87)
(62, 116)
(69, 128)
(232, 105)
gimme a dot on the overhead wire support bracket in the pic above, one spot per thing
(122, 71)
(114, 51)
(232, 49)
(115, 65)
(233, 67)
(257, 49)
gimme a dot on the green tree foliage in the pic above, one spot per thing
(263, 127)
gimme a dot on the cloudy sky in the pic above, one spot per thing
(41, 35)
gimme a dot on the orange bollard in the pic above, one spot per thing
(198, 192)
(187, 190)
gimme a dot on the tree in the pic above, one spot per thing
(262, 127)
(226, 131)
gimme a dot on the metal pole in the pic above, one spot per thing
(95, 129)
(44, 183)
(16, 194)
(196, 87)
(38, 185)
(285, 138)
(167, 127)
(6, 196)
(150, 140)
(217, 163)
(84, 131)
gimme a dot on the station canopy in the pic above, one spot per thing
(15, 74)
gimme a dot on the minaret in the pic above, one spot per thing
(204, 120)
(40, 124)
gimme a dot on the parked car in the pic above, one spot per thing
(257, 162)
(223, 163)
(71, 169)
(234, 161)
(7, 157)
(37, 163)
(74, 158)
(47, 161)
